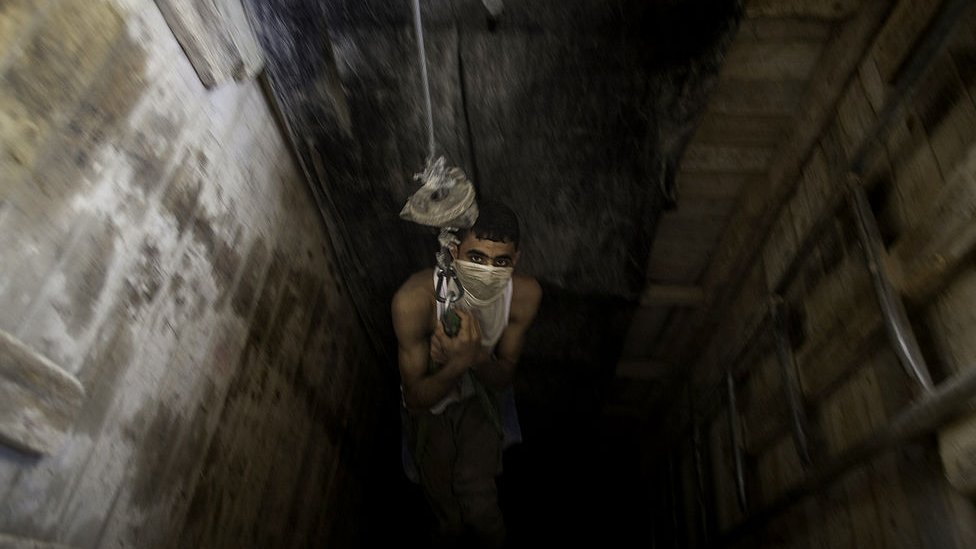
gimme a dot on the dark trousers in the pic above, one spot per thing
(458, 463)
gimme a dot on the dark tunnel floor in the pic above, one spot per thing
(577, 484)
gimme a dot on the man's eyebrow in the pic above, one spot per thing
(477, 252)
(503, 256)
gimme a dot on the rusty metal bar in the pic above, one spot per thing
(895, 318)
(791, 384)
(947, 400)
(734, 427)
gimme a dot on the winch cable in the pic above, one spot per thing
(422, 55)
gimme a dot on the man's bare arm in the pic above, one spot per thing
(412, 311)
(497, 371)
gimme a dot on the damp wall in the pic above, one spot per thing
(159, 245)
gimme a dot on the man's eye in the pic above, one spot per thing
(501, 263)
(476, 259)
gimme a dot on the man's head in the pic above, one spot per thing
(487, 254)
(493, 240)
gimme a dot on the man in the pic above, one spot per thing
(456, 440)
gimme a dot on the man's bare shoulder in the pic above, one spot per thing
(416, 295)
(526, 294)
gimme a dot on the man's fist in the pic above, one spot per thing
(461, 352)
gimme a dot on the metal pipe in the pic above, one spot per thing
(895, 318)
(934, 410)
(791, 384)
(740, 477)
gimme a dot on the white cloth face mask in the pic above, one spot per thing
(484, 283)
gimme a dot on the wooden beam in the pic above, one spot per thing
(216, 37)
(38, 400)
(725, 159)
(819, 9)
(763, 97)
(735, 254)
(672, 294)
(943, 238)
(643, 369)
(748, 60)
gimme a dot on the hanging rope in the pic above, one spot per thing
(422, 53)
(446, 198)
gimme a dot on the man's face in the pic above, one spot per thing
(486, 252)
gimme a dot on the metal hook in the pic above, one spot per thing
(451, 296)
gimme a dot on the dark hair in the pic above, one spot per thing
(496, 222)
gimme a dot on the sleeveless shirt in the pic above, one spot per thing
(493, 320)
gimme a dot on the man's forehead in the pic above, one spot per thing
(490, 247)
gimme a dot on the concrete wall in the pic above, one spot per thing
(160, 245)
(920, 184)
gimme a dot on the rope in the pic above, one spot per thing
(418, 24)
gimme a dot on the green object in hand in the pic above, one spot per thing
(451, 322)
(452, 325)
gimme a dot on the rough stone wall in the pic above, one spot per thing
(158, 242)
(920, 186)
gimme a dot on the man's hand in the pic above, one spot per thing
(461, 352)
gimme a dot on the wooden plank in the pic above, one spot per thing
(823, 9)
(784, 29)
(874, 85)
(899, 34)
(953, 329)
(672, 294)
(748, 130)
(758, 97)
(944, 236)
(747, 60)
(915, 172)
(38, 400)
(810, 200)
(962, 47)
(780, 249)
(947, 114)
(855, 116)
(845, 424)
(216, 37)
(713, 186)
(721, 158)
(886, 392)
